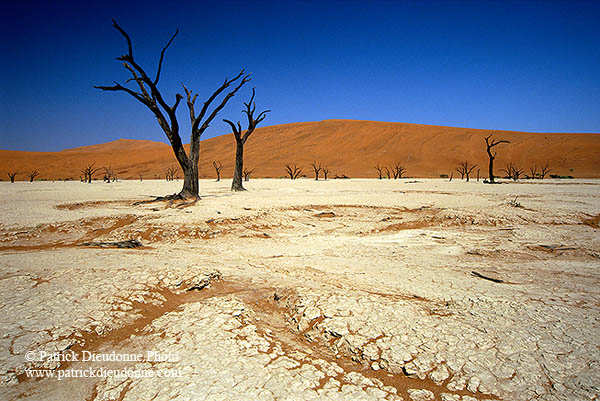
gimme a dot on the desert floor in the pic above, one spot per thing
(297, 290)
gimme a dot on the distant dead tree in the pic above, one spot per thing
(388, 172)
(150, 96)
(379, 169)
(88, 172)
(316, 169)
(141, 177)
(398, 170)
(512, 171)
(218, 168)
(240, 140)
(109, 175)
(465, 169)
(478, 175)
(544, 171)
(12, 176)
(170, 173)
(293, 171)
(490, 142)
(326, 171)
(247, 173)
(532, 173)
(32, 175)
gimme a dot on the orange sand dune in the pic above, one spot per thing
(347, 146)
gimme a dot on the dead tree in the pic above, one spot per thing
(388, 172)
(490, 142)
(141, 177)
(170, 173)
(533, 173)
(512, 171)
(32, 175)
(317, 169)
(398, 170)
(517, 172)
(293, 171)
(109, 175)
(166, 114)
(544, 171)
(218, 168)
(12, 176)
(326, 172)
(88, 172)
(247, 173)
(240, 140)
(379, 169)
(465, 169)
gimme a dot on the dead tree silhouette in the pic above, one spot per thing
(240, 140)
(316, 169)
(379, 169)
(89, 171)
(11, 176)
(109, 175)
(32, 175)
(490, 142)
(150, 96)
(465, 169)
(544, 171)
(512, 171)
(218, 168)
(170, 173)
(398, 170)
(247, 173)
(532, 173)
(293, 171)
(326, 171)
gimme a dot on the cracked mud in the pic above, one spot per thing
(360, 289)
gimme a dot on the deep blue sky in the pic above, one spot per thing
(523, 65)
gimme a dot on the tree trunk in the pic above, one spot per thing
(491, 169)
(191, 187)
(236, 184)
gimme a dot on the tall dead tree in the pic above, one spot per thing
(490, 142)
(88, 172)
(218, 168)
(293, 171)
(465, 169)
(12, 176)
(316, 169)
(240, 140)
(326, 172)
(247, 173)
(379, 169)
(151, 97)
(32, 175)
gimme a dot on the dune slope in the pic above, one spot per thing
(346, 146)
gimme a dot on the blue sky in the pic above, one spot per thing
(523, 65)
